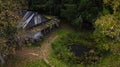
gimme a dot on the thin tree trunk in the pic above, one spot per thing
(2, 59)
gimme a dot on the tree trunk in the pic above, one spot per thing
(2, 59)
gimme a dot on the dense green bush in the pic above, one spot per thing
(107, 33)
(77, 23)
(69, 12)
(107, 28)
(61, 50)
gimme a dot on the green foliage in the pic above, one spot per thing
(107, 32)
(89, 9)
(22, 62)
(8, 33)
(8, 26)
(69, 2)
(114, 4)
(82, 4)
(42, 6)
(59, 63)
(40, 63)
(107, 25)
(69, 39)
(105, 11)
(63, 54)
(109, 61)
(77, 22)
(69, 12)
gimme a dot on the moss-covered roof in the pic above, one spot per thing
(42, 26)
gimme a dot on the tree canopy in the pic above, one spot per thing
(100, 17)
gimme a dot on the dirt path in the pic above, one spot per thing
(36, 53)
(42, 52)
(46, 46)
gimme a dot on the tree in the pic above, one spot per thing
(114, 4)
(107, 31)
(8, 25)
(107, 28)
(69, 12)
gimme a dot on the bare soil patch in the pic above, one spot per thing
(39, 52)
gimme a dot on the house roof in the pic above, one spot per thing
(31, 19)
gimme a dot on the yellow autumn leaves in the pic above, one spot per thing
(108, 25)
(114, 4)
(107, 32)
(106, 1)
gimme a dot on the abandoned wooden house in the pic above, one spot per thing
(36, 26)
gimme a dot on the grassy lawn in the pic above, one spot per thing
(40, 63)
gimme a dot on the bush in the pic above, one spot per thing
(107, 32)
(61, 50)
(77, 22)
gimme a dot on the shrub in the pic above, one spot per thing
(107, 32)
(77, 22)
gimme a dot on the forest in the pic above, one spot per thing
(88, 34)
